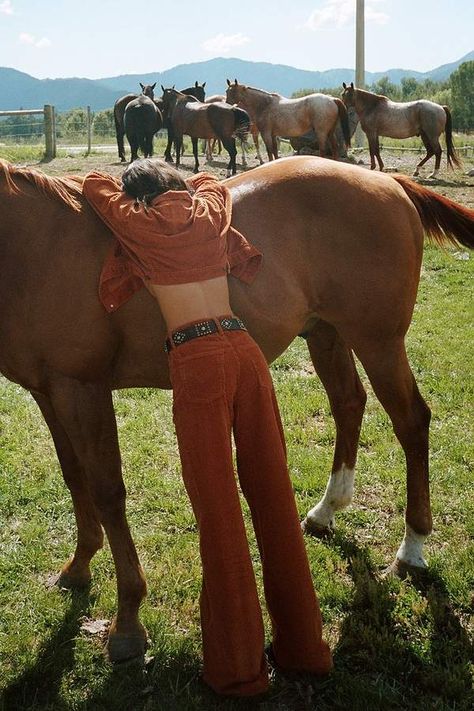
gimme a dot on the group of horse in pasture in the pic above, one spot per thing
(245, 109)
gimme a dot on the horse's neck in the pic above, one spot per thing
(261, 99)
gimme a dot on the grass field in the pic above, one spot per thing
(397, 645)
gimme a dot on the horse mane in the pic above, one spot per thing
(262, 91)
(67, 190)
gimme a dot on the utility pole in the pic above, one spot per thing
(360, 61)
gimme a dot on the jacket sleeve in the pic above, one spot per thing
(104, 193)
(212, 200)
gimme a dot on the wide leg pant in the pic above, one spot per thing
(221, 383)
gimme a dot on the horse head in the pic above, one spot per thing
(169, 99)
(148, 90)
(234, 91)
(348, 95)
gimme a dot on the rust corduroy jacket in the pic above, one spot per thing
(181, 237)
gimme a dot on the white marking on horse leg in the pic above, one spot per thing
(411, 548)
(338, 495)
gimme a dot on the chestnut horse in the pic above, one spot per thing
(197, 119)
(342, 255)
(119, 110)
(379, 116)
(274, 116)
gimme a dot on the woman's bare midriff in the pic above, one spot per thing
(195, 301)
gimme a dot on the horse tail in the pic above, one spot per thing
(453, 158)
(344, 119)
(444, 220)
(241, 123)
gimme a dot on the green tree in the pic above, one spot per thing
(387, 88)
(103, 123)
(462, 96)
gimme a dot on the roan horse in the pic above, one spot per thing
(274, 115)
(142, 119)
(188, 116)
(119, 110)
(379, 116)
(342, 256)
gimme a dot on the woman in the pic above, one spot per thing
(176, 238)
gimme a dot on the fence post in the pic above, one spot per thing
(49, 132)
(89, 131)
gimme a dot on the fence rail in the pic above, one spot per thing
(49, 126)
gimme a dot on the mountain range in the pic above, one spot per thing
(20, 90)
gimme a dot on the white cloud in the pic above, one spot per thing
(6, 7)
(341, 13)
(26, 38)
(221, 44)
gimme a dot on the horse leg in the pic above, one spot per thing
(334, 364)
(268, 141)
(429, 152)
(195, 143)
(373, 148)
(86, 414)
(133, 148)
(386, 364)
(438, 152)
(244, 156)
(76, 572)
(178, 142)
(257, 145)
(168, 156)
(229, 145)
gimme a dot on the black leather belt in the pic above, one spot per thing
(203, 328)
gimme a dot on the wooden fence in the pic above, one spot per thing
(49, 120)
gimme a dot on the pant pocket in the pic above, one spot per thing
(200, 378)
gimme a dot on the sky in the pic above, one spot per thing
(103, 38)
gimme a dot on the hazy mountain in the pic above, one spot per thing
(20, 90)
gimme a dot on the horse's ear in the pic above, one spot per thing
(153, 85)
(228, 82)
(142, 86)
(204, 85)
(173, 86)
(352, 84)
(344, 85)
(196, 84)
(163, 89)
(235, 82)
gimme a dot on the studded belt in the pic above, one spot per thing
(203, 328)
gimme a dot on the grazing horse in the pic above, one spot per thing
(119, 110)
(198, 92)
(197, 119)
(342, 256)
(379, 116)
(274, 115)
(142, 119)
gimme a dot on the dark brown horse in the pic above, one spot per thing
(381, 117)
(199, 93)
(342, 255)
(196, 119)
(142, 119)
(119, 110)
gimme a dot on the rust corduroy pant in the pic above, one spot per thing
(221, 383)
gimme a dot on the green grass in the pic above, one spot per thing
(397, 645)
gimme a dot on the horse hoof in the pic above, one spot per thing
(401, 569)
(122, 646)
(317, 530)
(70, 579)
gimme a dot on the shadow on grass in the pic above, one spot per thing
(39, 685)
(378, 663)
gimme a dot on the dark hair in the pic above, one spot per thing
(147, 178)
